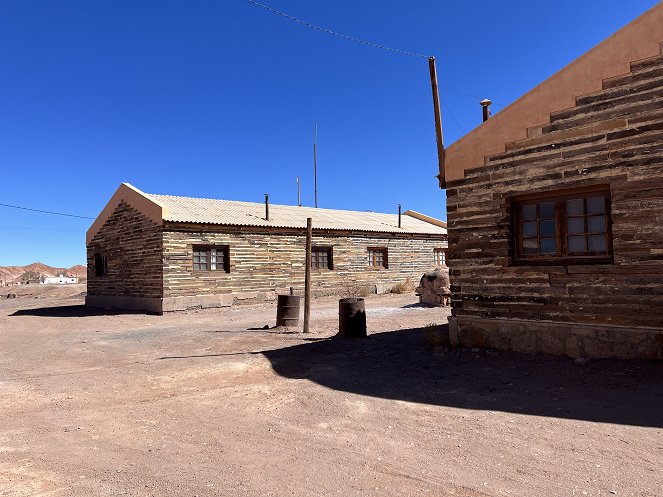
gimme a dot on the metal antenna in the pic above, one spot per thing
(299, 193)
(315, 164)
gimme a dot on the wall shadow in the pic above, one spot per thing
(72, 311)
(398, 365)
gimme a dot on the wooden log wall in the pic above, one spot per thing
(267, 262)
(133, 246)
(612, 137)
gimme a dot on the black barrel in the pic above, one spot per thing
(287, 310)
(351, 318)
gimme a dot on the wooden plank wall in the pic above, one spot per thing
(611, 137)
(274, 261)
(133, 246)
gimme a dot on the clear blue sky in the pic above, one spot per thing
(219, 99)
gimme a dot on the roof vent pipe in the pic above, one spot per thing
(267, 206)
(399, 215)
(485, 103)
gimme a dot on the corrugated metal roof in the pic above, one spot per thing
(234, 213)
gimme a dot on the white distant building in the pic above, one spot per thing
(59, 280)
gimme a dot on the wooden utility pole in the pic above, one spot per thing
(307, 275)
(438, 121)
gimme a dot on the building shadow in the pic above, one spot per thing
(72, 311)
(398, 365)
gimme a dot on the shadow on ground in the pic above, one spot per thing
(398, 365)
(71, 311)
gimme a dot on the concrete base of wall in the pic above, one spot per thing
(169, 304)
(556, 338)
(196, 302)
(125, 303)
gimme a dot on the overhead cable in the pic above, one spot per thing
(336, 33)
(45, 212)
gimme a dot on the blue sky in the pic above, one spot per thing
(219, 99)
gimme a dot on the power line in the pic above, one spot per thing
(45, 212)
(336, 33)
(37, 229)
(453, 116)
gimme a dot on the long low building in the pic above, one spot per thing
(164, 253)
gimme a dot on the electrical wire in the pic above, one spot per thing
(45, 212)
(336, 33)
(37, 229)
(453, 116)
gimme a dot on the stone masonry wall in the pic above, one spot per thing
(261, 264)
(133, 246)
(612, 137)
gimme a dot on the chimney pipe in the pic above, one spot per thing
(267, 206)
(399, 215)
(485, 103)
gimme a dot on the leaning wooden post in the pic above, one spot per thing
(307, 275)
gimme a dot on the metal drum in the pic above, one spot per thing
(287, 310)
(351, 318)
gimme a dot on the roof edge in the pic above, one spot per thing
(424, 217)
(137, 199)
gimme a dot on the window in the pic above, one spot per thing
(211, 258)
(377, 257)
(572, 225)
(100, 265)
(321, 258)
(440, 257)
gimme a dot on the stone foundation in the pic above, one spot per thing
(555, 338)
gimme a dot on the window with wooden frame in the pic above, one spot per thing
(566, 226)
(440, 257)
(322, 258)
(100, 265)
(211, 258)
(377, 257)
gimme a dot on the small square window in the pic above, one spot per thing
(100, 265)
(321, 258)
(440, 257)
(211, 258)
(377, 257)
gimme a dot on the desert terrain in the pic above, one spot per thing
(208, 403)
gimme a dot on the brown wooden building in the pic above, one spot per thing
(555, 209)
(164, 253)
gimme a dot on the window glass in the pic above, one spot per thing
(563, 225)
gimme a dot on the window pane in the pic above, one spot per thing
(575, 207)
(547, 228)
(595, 205)
(530, 246)
(547, 210)
(575, 225)
(596, 224)
(576, 244)
(597, 243)
(548, 246)
(528, 212)
(529, 229)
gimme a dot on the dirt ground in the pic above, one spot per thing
(206, 403)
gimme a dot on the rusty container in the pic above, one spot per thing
(287, 310)
(351, 318)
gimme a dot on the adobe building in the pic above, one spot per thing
(555, 209)
(164, 253)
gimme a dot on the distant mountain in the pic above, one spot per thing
(9, 273)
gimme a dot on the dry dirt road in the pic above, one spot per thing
(195, 403)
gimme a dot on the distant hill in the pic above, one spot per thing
(9, 273)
